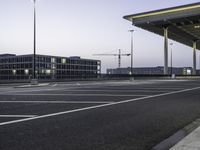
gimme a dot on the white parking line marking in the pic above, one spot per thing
(159, 88)
(17, 116)
(38, 90)
(95, 107)
(119, 90)
(60, 102)
(50, 94)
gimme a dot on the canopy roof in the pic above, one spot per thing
(183, 23)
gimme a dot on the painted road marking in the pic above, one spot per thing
(119, 90)
(17, 116)
(60, 102)
(95, 107)
(49, 94)
(107, 85)
(21, 91)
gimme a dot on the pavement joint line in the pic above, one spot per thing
(75, 94)
(17, 116)
(60, 102)
(95, 107)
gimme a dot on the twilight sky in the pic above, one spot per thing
(86, 27)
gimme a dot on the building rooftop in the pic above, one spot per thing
(7, 55)
(70, 57)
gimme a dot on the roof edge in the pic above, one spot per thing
(163, 11)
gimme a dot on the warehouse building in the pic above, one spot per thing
(20, 67)
(151, 70)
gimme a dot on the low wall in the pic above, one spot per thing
(104, 77)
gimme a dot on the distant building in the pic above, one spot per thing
(198, 72)
(17, 67)
(151, 70)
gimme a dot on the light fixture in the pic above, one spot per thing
(197, 26)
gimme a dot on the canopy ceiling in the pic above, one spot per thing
(183, 23)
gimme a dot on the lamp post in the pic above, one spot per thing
(34, 42)
(34, 80)
(131, 31)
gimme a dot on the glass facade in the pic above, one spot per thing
(47, 67)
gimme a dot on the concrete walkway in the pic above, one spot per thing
(190, 142)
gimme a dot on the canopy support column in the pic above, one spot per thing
(165, 50)
(194, 58)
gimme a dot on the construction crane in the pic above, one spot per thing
(119, 56)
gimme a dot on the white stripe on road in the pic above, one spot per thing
(120, 90)
(60, 102)
(95, 107)
(14, 91)
(17, 116)
(49, 94)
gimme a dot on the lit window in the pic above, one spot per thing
(53, 66)
(197, 27)
(63, 61)
(14, 72)
(189, 72)
(26, 71)
(53, 60)
(98, 67)
(48, 71)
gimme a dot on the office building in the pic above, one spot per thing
(20, 67)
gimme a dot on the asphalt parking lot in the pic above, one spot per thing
(108, 115)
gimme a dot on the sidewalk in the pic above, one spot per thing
(190, 142)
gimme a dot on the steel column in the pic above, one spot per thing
(194, 58)
(165, 51)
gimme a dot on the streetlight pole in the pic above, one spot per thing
(131, 31)
(34, 42)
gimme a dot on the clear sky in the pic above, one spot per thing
(86, 27)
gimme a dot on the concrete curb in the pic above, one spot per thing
(190, 142)
(31, 86)
(174, 140)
